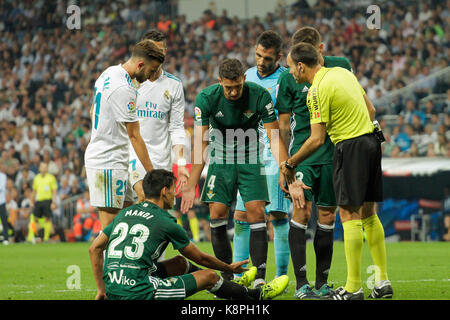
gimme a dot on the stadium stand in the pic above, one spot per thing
(47, 72)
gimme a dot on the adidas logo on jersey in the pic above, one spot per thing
(219, 114)
(305, 89)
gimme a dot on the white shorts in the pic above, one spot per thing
(107, 187)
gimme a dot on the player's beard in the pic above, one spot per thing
(141, 76)
(266, 70)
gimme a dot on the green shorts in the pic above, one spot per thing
(320, 179)
(170, 288)
(223, 181)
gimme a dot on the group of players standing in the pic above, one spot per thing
(273, 107)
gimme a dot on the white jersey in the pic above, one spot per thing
(114, 105)
(160, 109)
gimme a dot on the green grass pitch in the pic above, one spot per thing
(61, 271)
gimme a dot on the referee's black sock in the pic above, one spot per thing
(297, 244)
(221, 244)
(323, 247)
(258, 248)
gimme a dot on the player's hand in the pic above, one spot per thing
(101, 295)
(183, 176)
(236, 267)
(288, 174)
(187, 199)
(282, 183)
(53, 206)
(297, 194)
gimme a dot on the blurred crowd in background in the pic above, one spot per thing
(47, 71)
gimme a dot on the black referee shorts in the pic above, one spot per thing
(43, 209)
(357, 174)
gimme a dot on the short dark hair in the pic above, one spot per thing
(155, 180)
(305, 53)
(148, 50)
(231, 69)
(270, 39)
(155, 35)
(307, 34)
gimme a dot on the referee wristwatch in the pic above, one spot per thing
(288, 165)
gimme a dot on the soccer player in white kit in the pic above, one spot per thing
(160, 110)
(114, 125)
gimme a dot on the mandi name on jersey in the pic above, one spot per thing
(137, 213)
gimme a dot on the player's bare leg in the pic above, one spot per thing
(219, 237)
(126, 204)
(139, 191)
(258, 238)
(137, 187)
(107, 215)
(178, 265)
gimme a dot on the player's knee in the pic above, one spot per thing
(181, 262)
(218, 211)
(255, 212)
(240, 215)
(278, 215)
(302, 215)
(368, 209)
(327, 216)
(210, 278)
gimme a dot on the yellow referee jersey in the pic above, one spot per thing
(337, 99)
(44, 186)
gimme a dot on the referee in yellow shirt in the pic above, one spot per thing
(43, 198)
(338, 105)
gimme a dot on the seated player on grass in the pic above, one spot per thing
(138, 235)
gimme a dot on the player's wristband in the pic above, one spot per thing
(181, 162)
(289, 166)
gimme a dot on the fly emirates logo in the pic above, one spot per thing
(150, 110)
